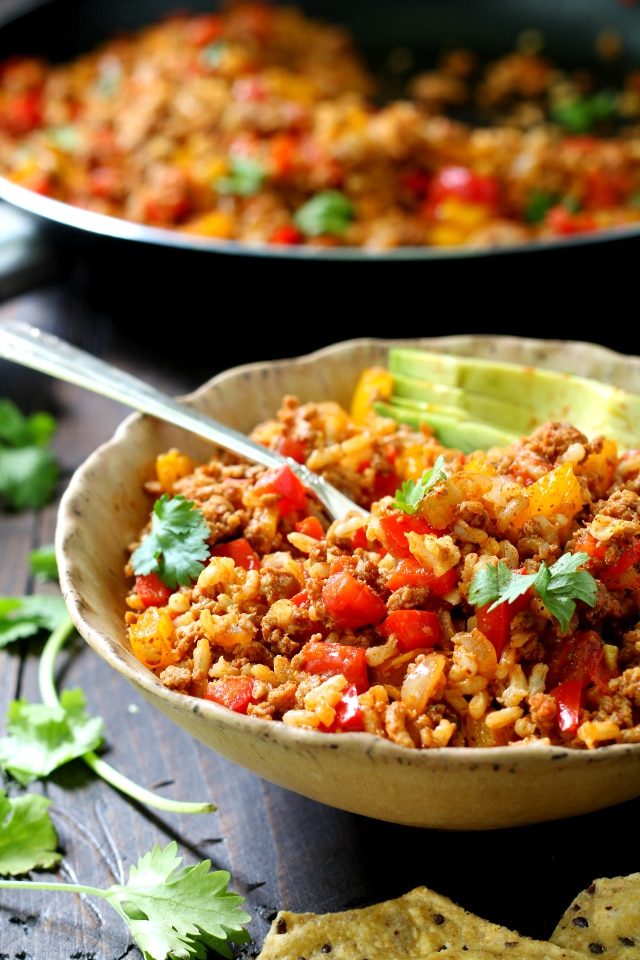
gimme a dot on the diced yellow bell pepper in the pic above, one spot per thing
(478, 463)
(214, 224)
(375, 383)
(556, 492)
(412, 462)
(172, 466)
(600, 467)
(152, 638)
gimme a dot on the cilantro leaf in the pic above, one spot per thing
(176, 544)
(16, 430)
(43, 562)
(244, 180)
(560, 585)
(582, 113)
(43, 738)
(174, 911)
(496, 584)
(328, 212)
(27, 838)
(28, 476)
(22, 617)
(412, 491)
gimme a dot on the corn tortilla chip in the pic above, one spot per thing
(603, 920)
(417, 926)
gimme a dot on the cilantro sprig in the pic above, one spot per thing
(245, 178)
(558, 586)
(28, 840)
(172, 912)
(43, 564)
(176, 544)
(28, 471)
(411, 492)
(329, 211)
(42, 737)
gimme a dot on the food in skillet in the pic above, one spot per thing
(493, 599)
(259, 125)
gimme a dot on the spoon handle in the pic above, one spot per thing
(49, 354)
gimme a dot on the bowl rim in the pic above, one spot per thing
(104, 225)
(356, 742)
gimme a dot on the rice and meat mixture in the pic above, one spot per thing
(368, 624)
(260, 125)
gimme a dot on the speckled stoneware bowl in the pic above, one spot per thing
(105, 507)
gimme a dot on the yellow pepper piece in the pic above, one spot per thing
(414, 460)
(214, 224)
(478, 463)
(375, 383)
(152, 638)
(172, 466)
(600, 467)
(556, 492)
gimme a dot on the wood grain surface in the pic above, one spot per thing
(282, 850)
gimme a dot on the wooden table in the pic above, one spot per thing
(282, 850)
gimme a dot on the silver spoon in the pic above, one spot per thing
(42, 351)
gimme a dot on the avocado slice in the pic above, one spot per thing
(465, 435)
(476, 406)
(591, 406)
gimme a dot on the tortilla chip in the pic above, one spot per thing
(419, 926)
(604, 920)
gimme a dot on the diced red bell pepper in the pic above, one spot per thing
(240, 551)
(613, 576)
(580, 657)
(290, 447)
(349, 714)
(311, 527)
(300, 599)
(496, 624)
(463, 184)
(359, 539)
(413, 629)
(396, 526)
(384, 484)
(103, 182)
(605, 189)
(585, 543)
(22, 112)
(283, 481)
(235, 693)
(332, 659)
(417, 181)
(568, 696)
(204, 29)
(250, 89)
(409, 573)
(351, 603)
(564, 223)
(152, 591)
(283, 152)
(286, 235)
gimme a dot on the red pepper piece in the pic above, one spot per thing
(350, 603)
(464, 184)
(332, 659)
(152, 591)
(204, 29)
(23, 112)
(290, 447)
(496, 624)
(240, 551)
(564, 223)
(283, 481)
(413, 629)
(409, 573)
(235, 693)
(359, 539)
(396, 526)
(349, 714)
(311, 527)
(568, 696)
(286, 235)
(580, 657)
(300, 598)
(384, 484)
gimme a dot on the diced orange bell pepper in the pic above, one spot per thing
(556, 492)
(375, 383)
(152, 638)
(172, 466)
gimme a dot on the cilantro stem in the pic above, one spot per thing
(49, 694)
(44, 885)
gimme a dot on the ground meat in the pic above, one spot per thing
(607, 605)
(176, 678)
(553, 439)
(407, 598)
(543, 712)
(277, 584)
(622, 505)
(283, 698)
(628, 685)
(474, 513)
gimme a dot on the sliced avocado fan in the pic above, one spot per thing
(505, 395)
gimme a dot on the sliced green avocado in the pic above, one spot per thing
(591, 406)
(465, 435)
(493, 410)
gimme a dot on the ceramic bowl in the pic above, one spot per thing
(465, 788)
